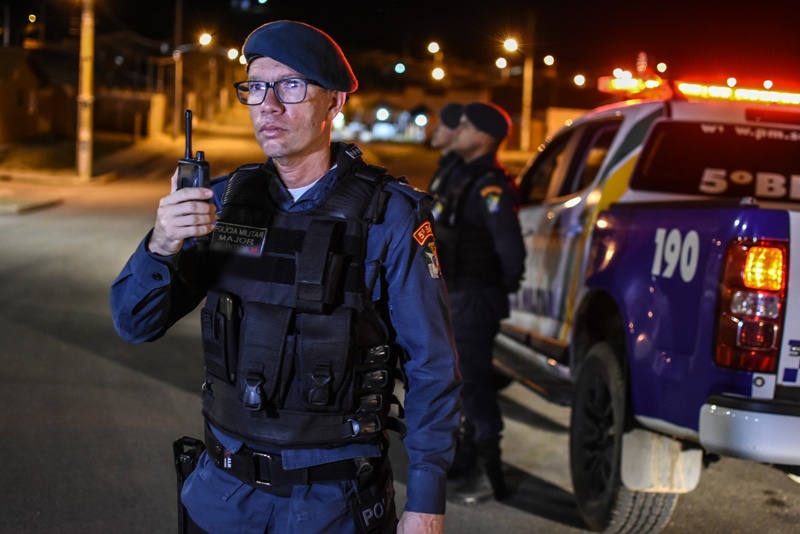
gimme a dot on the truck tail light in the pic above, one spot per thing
(752, 304)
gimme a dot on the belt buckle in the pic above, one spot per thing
(257, 468)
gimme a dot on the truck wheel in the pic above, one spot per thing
(596, 429)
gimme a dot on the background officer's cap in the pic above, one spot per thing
(488, 118)
(304, 48)
(450, 114)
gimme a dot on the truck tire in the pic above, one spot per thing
(596, 429)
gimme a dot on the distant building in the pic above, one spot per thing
(25, 99)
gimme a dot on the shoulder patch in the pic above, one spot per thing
(423, 233)
(491, 197)
(491, 190)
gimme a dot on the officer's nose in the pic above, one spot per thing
(271, 102)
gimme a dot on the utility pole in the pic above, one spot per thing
(527, 86)
(176, 55)
(83, 153)
(6, 25)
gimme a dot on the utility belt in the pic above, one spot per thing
(264, 471)
(372, 504)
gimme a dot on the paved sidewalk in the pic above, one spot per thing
(33, 188)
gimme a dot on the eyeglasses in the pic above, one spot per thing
(287, 90)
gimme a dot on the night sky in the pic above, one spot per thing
(699, 40)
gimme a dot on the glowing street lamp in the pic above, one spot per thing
(527, 87)
(438, 60)
(177, 56)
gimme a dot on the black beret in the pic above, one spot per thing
(450, 114)
(309, 51)
(489, 118)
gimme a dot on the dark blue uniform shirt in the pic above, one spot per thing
(147, 298)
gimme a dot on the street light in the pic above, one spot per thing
(527, 85)
(437, 73)
(177, 56)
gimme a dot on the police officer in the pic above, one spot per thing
(482, 257)
(442, 139)
(319, 273)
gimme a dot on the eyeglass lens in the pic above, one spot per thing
(287, 91)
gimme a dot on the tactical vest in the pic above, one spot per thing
(465, 249)
(296, 352)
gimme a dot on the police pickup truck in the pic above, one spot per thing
(661, 297)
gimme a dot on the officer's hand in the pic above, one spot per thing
(182, 214)
(418, 523)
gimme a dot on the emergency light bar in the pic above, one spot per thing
(657, 88)
(746, 95)
(628, 86)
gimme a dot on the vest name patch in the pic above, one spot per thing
(238, 239)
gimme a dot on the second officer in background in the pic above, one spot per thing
(482, 255)
(442, 140)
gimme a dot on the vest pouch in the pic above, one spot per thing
(320, 267)
(265, 328)
(325, 361)
(220, 328)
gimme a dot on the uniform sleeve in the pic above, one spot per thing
(498, 206)
(153, 292)
(420, 315)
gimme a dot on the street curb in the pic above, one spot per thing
(17, 205)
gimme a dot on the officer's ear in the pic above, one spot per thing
(337, 102)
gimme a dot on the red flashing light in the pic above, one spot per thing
(719, 92)
(658, 88)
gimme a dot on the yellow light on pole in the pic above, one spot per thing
(501, 63)
(433, 47)
(549, 60)
(580, 80)
(512, 45)
(437, 73)
(233, 54)
(177, 56)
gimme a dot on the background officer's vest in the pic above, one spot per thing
(464, 245)
(296, 353)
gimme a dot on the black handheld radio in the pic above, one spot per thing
(192, 172)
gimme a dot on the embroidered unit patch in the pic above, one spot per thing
(432, 259)
(422, 233)
(491, 196)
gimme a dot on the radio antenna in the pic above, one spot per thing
(188, 134)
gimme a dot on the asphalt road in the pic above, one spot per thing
(87, 421)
